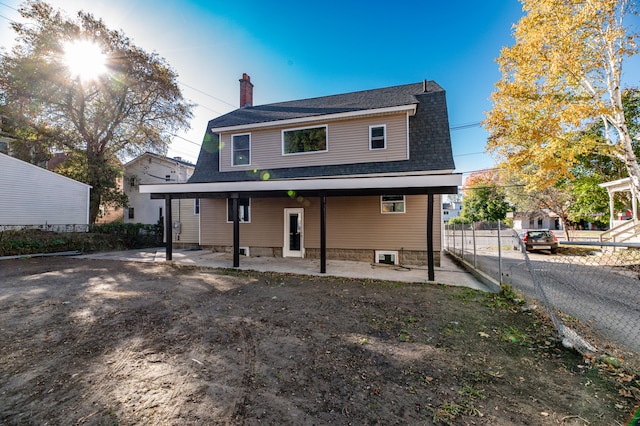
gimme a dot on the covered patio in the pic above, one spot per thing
(408, 184)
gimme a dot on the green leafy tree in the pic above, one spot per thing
(562, 75)
(132, 106)
(484, 199)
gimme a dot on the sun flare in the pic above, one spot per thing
(84, 59)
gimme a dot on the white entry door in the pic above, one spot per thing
(293, 233)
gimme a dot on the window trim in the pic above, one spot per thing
(326, 135)
(228, 206)
(384, 137)
(383, 202)
(233, 150)
(394, 253)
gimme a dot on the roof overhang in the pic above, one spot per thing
(620, 185)
(334, 186)
(411, 109)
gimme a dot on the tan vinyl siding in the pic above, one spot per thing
(182, 211)
(348, 143)
(352, 223)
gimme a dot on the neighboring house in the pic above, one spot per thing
(32, 195)
(352, 176)
(450, 210)
(542, 219)
(107, 213)
(148, 169)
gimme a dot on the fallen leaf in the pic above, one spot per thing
(483, 334)
(544, 414)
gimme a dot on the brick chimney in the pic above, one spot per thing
(246, 91)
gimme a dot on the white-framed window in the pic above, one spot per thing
(241, 149)
(244, 209)
(304, 140)
(378, 137)
(387, 256)
(392, 204)
(196, 206)
(244, 251)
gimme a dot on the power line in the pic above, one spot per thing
(10, 7)
(186, 140)
(465, 126)
(206, 94)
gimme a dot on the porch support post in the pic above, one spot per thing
(634, 203)
(168, 233)
(430, 259)
(236, 230)
(611, 208)
(323, 234)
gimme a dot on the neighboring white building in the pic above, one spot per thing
(450, 210)
(542, 219)
(32, 195)
(150, 168)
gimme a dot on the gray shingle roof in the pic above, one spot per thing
(346, 102)
(430, 142)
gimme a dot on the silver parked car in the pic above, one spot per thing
(539, 238)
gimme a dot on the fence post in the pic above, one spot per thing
(462, 243)
(499, 256)
(475, 258)
(453, 237)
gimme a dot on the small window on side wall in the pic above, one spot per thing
(392, 204)
(196, 206)
(243, 210)
(131, 213)
(378, 137)
(241, 146)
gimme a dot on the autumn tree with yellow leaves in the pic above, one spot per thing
(563, 75)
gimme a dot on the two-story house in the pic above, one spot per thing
(350, 176)
(150, 168)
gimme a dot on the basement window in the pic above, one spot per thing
(387, 257)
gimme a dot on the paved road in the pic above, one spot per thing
(608, 298)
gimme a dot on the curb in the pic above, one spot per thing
(485, 279)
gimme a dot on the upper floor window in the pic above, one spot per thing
(196, 206)
(300, 141)
(392, 204)
(241, 145)
(377, 137)
(243, 210)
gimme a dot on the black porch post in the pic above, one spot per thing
(323, 234)
(168, 233)
(430, 262)
(236, 230)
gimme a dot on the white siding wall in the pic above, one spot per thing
(30, 195)
(149, 169)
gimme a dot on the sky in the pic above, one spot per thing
(298, 50)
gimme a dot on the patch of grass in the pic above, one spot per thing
(513, 335)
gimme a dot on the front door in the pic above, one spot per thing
(293, 233)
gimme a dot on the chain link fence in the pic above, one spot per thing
(589, 289)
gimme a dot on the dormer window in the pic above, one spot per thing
(377, 137)
(305, 140)
(241, 149)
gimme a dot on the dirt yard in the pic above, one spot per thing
(105, 342)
